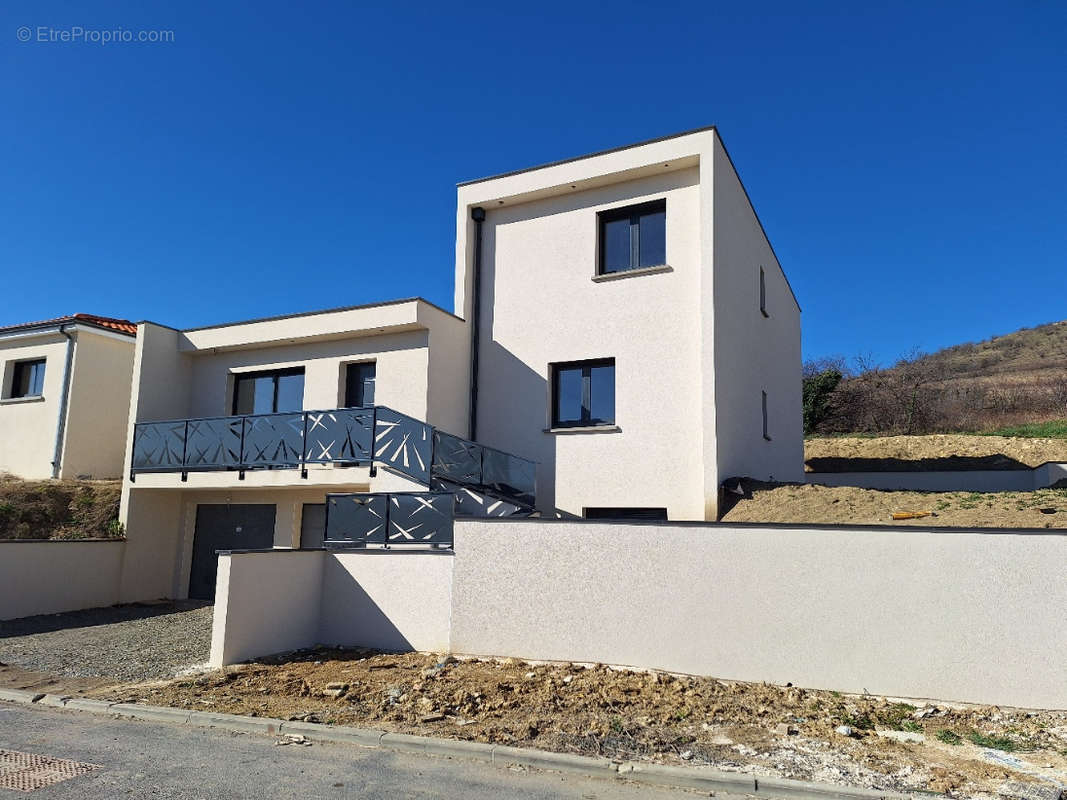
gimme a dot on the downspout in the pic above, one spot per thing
(478, 215)
(61, 426)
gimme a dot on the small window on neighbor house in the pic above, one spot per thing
(270, 392)
(763, 292)
(766, 430)
(359, 385)
(27, 378)
(632, 237)
(583, 393)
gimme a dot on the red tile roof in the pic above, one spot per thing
(108, 323)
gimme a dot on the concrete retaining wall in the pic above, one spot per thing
(986, 480)
(951, 614)
(273, 601)
(48, 577)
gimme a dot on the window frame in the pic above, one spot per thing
(625, 513)
(274, 373)
(348, 367)
(586, 366)
(633, 213)
(17, 369)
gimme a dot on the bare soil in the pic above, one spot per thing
(59, 509)
(846, 505)
(622, 714)
(931, 452)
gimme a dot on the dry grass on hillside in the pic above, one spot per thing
(59, 509)
(932, 452)
(845, 505)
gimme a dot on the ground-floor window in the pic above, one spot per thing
(627, 513)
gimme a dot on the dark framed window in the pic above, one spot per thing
(763, 292)
(27, 378)
(659, 514)
(632, 237)
(359, 384)
(583, 393)
(269, 392)
(766, 428)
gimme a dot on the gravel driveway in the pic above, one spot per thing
(128, 643)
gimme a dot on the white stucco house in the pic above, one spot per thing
(623, 340)
(65, 396)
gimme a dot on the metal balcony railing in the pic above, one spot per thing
(389, 519)
(371, 436)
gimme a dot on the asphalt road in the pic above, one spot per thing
(172, 762)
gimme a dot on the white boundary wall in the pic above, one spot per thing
(952, 614)
(51, 576)
(982, 480)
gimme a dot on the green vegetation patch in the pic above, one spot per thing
(1052, 429)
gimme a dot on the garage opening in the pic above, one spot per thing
(226, 527)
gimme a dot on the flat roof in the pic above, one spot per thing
(316, 312)
(590, 155)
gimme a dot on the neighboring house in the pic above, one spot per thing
(65, 396)
(622, 321)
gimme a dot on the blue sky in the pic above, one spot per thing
(907, 159)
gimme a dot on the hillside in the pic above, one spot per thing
(59, 509)
(1006, 380)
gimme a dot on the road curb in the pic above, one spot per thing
(658, 774)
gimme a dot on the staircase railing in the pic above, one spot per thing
(371, 436)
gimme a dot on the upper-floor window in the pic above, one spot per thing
(583, 393)
(27, 378)
(763, 292)
(359, 385)
(766, 421)
(633, 237)
(269, 392)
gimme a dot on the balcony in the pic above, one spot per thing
(367, 437)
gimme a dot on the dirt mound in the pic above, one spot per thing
(846, 505)
(59, 509)
(932, 452)
(754, 728)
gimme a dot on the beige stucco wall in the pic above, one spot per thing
(400, 367)
(28, 427)
(49, 577)
(947, 614)
(273, 602)
(265, 603)
(387, 599)
(750, 353)
(98, 410)
(541, 306)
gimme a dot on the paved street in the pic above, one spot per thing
(171, 762)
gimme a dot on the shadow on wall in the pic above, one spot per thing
(365, 624)
(944, 464)
(519, 412)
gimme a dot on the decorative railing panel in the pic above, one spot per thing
(353, 520)
(214, 443)
(344, 434)
(389, 519)
(403, 443)
(274, 440)
(509, 476)
(474, 503)
(160, 445)
(456, 459)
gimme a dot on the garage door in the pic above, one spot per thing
(226, 527)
